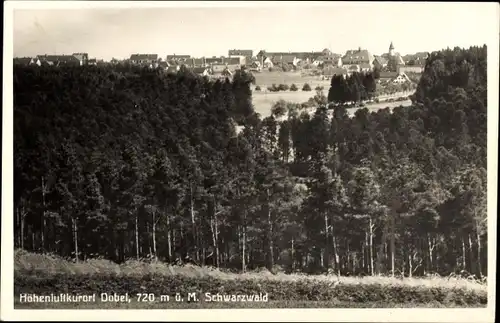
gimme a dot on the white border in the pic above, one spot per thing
(224, 315)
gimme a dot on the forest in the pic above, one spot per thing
(128, 163)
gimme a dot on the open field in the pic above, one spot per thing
(263, 101)
(265, 79)
(42, 275)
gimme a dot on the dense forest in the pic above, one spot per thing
(129, 163)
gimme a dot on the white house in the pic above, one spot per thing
(202, 71)
(401, 78)
(268, 62)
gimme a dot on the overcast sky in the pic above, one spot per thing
(119, 32)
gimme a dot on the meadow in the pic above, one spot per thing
(45, 274)
(263, 100)
(266, 78)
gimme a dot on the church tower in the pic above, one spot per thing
(391, 49)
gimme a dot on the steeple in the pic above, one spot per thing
(391, 49)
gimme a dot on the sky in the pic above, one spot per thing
(211, 31)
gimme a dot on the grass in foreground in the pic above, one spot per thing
(241, 305)
(44, 274)
(30, 264)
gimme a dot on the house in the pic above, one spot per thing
(195, 62)
(218, 68)
(268, 62)
(202, 71)
(318, 61)
(326, 52)
(173, 63)
(242, 60)
(416, 59)
(306, 57)
(411, 69)
(276, 58)
(233, 67)
(92, 61)
(365, 67)
(214, 60)
(143, 59)
(269, 59)
(379, 62)
(386, 77)
(222, 74)
(357, 57)
(227, 73)
(255, 64)
(353, 69)
(25, 61)
(58, 60)
(246, 53)
(291, 60)
(82, 57)
(200, 62)
(173, 69)
(232, 60)
(287, 59)
(178, 58)
(332, 60)
(401, 78)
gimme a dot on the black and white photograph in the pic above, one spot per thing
(331, 161)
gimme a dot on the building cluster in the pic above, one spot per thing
(206, 66)
(75, 59)
(391, 64)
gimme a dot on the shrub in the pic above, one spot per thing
(319, 88)
(273, 88)
(285, 68)
(306, 87)
(376, 100)
(283, 87)
(293, 87)
(257, 88)
(279, 109)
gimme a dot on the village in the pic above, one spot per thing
(391, 66)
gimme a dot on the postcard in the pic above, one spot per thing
(249, 161)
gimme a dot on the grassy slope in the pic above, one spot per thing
(39, 273)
